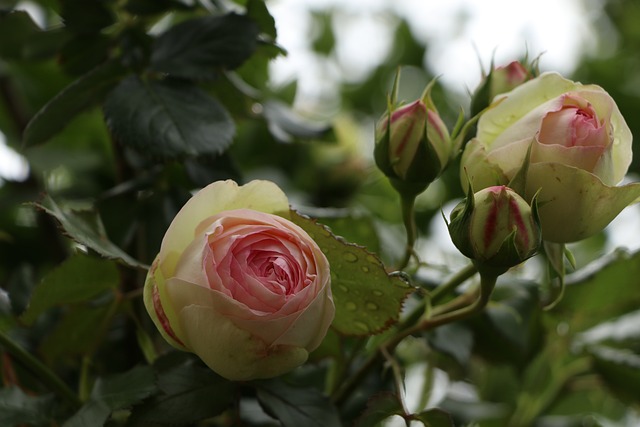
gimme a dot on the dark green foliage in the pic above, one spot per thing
(121, 109)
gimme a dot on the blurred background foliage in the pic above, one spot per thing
(115, 172)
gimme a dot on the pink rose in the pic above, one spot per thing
(580, 151)
(246, 290)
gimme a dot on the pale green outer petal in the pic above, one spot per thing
(476, 168)
(263, 196)
(155, 281)
(304, 329)
(232, 352)
(575, 204)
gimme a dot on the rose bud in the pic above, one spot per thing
(499, 80)
(573, 144)
(496, 228)
(412, 145)
(240, 285)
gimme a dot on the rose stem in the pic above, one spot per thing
(40, 371)
(456, 280)
(407, 204)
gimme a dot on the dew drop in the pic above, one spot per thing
(361, 325)
(377, 293)
(350, 257)
(351, 306)
(371, 306)
(343, 288)
(365, 269)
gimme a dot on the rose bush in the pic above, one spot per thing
(580, 150)
(240, 285)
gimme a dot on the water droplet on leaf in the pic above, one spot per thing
(350, 257)
(371, 306)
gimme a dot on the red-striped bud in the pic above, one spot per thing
(413, 145)
(496, 228)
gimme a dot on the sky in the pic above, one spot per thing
(461, 34)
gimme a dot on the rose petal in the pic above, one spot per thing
(579, 157)
(273, 329)
(235, 353)
(263, 196)
(574, 204)
(161, 309)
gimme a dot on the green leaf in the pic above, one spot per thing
(87, 231)
(16, 28)
(197, 48)
(286, 123)
(18, 408)
(367, 298)
(123, 390)
(77, 279)
(379, 408)
(85, 17)
(92, 413)
(151, 7)
(189, 392)
(434, 418)
(603, 290)
(84, 52)
(620, 370)
(454, 339)
(112, 393)
(83, 93)
(168, 119)
(295, 406)
(351, 226)
(75, 334)
(510, 326)
(620, 331)
(257, 10)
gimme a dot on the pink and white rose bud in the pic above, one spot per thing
(508, 77)
(240, 285)
(413, 145)
(580, 149)
(499, 80)
(406, 128)
(496, 228)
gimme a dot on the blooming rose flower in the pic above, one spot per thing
(240, 285)
(580, 150)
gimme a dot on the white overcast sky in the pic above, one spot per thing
(457, 32)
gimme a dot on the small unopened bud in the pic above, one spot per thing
(412, 145)
(496, 228)
(406, 131)
(499, 80)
